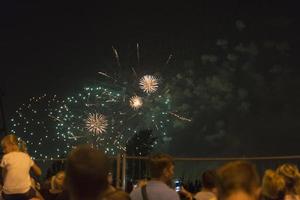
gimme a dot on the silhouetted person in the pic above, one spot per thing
(238, 180)
(209, 186)
(86, 173)
(161, 168)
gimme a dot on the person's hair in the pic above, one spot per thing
(157, 164)
(237, 176)
(273, 186)
(208, 179)
(291, 176)
(10, 139)
(13, 140)
(53, 184)
(86, 172)
(22, 146)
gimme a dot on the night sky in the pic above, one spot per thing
(56, 48)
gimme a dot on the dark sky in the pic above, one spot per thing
(50, 47)
(47, 45)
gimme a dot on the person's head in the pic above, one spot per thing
(9, 143)
(86, 173)
(273, 186)
(291, 176)
(209, 180)
(161, 167)
(57, 181)
(238, 177)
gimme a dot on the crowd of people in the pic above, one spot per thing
(87, 176)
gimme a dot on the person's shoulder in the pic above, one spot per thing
(291, 197)
(171, 194)
(21, 155)
(208, 195)
(17, 153)
(135, 192)
(10, 155)
(117, 194)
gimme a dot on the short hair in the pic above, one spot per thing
(208, 179)
(237, 176)
(273, 185)
(86, 172)
(157, 164)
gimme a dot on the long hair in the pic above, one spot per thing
(13, 140)
(291, 175)
(273, 185)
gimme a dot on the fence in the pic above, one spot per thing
(128, 169)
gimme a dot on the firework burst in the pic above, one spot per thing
(149, 84)
(110, 108)
(136, 102)
(96, 123)
(35, 121)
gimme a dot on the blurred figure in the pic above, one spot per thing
(36, 186)
(111, 188)
(273, 186)
(116, 195)
(238, 180)
(86, 173)
(16, 166)
(291, 176)
(56, 186)
(161, 168)
(209, 186)
(142, 182)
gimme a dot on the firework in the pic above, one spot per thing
(116, 55)
(168, 61)
(96, 123)
(136, 102)
(95, 110)
(180, 117)
(35, 121)
(98, 110)
(149, 84)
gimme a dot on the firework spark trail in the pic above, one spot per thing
(134, 72)
(110, 100)
(55, 118)
(180, 117)
(156, 126)
(138, 53)
(170, 57)
(104, 74)
(90, 104)
(116, 55)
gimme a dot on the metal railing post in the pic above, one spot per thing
(118, 181)
(124, 172)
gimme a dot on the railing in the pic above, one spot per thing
(129, 168)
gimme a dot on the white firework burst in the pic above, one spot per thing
(148, 83)
(96, 123)
(136, 102)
